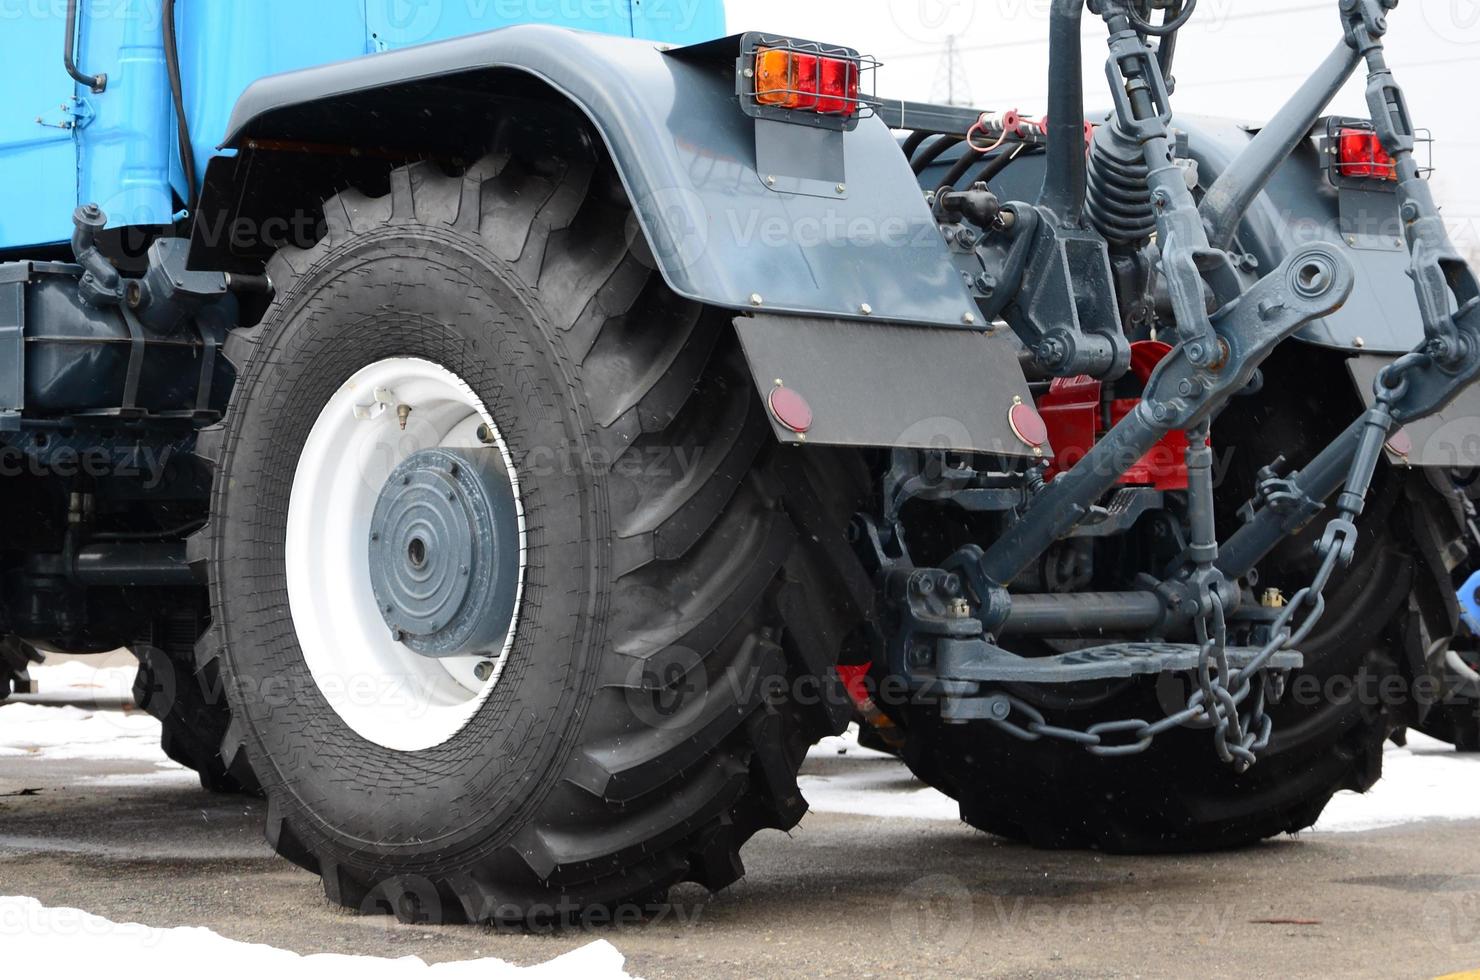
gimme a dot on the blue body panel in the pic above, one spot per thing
(38, 160)
(120, 149)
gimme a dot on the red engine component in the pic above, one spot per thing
(1071, 408)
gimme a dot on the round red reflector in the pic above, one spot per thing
(1028, 425)
(1401, 443)
(791, 410)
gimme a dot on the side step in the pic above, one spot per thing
(980, 662)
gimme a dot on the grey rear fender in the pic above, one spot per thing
(859, 245)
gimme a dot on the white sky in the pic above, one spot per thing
(1238, 58)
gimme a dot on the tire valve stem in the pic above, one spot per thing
(483, 671)
(403, 412)
(485, 435)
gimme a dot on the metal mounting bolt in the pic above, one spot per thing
(866, 310)
(1359, 342)
(969, 319)
(770, 181)
(757, 300)
(842, 188)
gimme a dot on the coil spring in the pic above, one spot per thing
(1119, 198)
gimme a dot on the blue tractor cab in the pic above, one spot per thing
(154, 73)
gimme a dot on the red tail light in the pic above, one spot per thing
(1359, 153)
(839, 88)
(794, 80)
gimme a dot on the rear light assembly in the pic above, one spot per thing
(1359, 153)
(803, 82)
(795, 80)
(1355, 157)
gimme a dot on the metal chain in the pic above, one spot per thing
(1218, 703)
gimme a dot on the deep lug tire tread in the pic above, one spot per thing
(695, 564)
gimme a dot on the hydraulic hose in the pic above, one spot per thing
(96, 83)
(177, 95)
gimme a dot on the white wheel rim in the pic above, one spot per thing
(381, 688)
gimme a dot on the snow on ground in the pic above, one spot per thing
(106, 679)
(73, 732)
(1427, 780)
(40, 941)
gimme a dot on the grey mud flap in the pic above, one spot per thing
(841, 383)
(1450, 438)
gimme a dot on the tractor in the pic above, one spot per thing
(509, 435)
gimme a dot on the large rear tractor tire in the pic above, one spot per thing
(1329, 732)
(502, 584)
(192, 714)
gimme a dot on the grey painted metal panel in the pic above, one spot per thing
(889, 385)
(1450, 438)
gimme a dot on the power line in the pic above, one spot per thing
(1185, 85)
(1043, 41)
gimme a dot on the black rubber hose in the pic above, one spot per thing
(934, 151)
(968, 160)
(999, 163)
(913, 143)
(177, 95)
(97, 83)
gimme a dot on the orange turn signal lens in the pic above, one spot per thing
(773, 77)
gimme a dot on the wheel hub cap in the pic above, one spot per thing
(444, 552)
